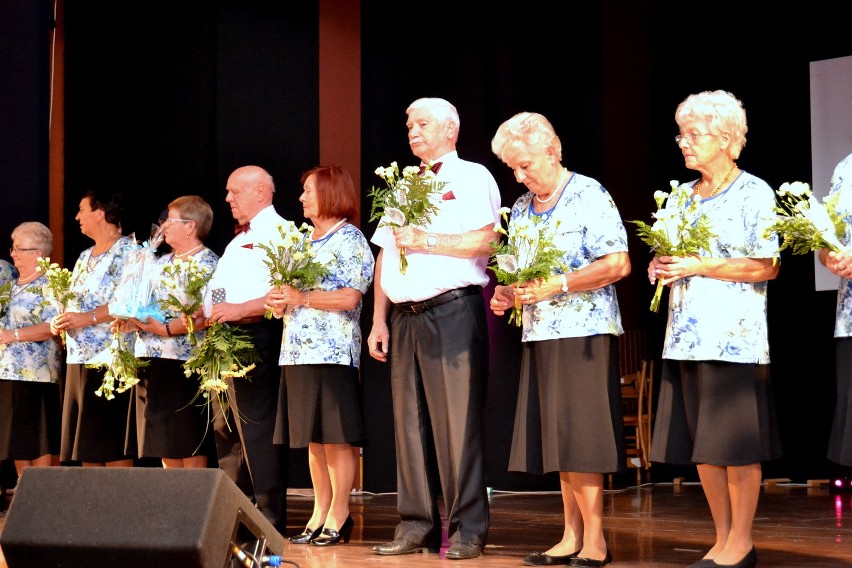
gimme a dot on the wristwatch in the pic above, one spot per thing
(431, 242)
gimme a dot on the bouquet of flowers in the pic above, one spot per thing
(528, 253)
(291, 260)
(121, 366)
(224, 352)
(133, 293)
(57, 290)
(803, 223)
(185, 281)
(680, 229)
(408, 199)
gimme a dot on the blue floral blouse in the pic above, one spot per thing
(589, 312)
(177, 346)
(314, 336)
(36, 361)
(93, 282)
(7, 271)
(841, 182)
(716, 320)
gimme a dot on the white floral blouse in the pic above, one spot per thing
(93, 283)
(841, 182)
(36, 361)
(314, 336)
(177, 346)
(716, 320)
(589, 312)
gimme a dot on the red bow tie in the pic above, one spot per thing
(242, 228)
(434, 168)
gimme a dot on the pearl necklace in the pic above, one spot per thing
(190, 251)
(555, 191)
(20, 285)
(331, 230)
(27, 278)
(718, 187)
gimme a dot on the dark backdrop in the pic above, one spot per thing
(204, 87)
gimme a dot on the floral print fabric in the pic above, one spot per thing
(314, 336)
(590, 312)
(177, 346)
(37, 361)
(94, 280)
(841, 182)
(716, 320)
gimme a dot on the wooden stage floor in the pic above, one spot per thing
(661, 525)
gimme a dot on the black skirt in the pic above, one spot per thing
(93, 428)
(30, 420)
(569, 415)
(169, 420)
(716, 413)
(321, 404)
(840, 440)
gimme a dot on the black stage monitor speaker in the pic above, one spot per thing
(133, 517)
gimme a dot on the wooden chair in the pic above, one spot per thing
(637, 395)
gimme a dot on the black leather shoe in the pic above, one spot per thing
(307, 536)
(463, 551)
(542, 559)
(747, 561)
(580, 561)
(330, 537)
(398, 546)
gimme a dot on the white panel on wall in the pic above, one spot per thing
(831, 134)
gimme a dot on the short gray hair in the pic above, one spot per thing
(720, 110)
(38, 234)
(527, 131)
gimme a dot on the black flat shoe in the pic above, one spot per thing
(307, 536)
(580, 561)
(747, 561)
(330, 537)
(703, 563)
(542, 559)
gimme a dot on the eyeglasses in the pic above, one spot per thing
(690, 138)
(19, 249)
(176, 220)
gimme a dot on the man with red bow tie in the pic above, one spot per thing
(439, 367)
(236, 295)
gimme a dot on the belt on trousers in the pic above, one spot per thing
(248, 321)
(435, 301)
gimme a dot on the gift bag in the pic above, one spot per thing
(132, 297)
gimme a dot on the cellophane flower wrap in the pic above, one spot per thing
(680, 228)
(122, 367)
(291, 260)
(132, 298)
(225, 351)
(803, 223)
(527, 253)
(407, 199)
(184, 282)
(57, 289)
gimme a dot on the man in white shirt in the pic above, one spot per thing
(236, 295)
(439, 366)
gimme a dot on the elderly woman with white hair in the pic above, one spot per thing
(568, 418)
(30, 412)
(715, 406)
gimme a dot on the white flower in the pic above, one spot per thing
(507, 262)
